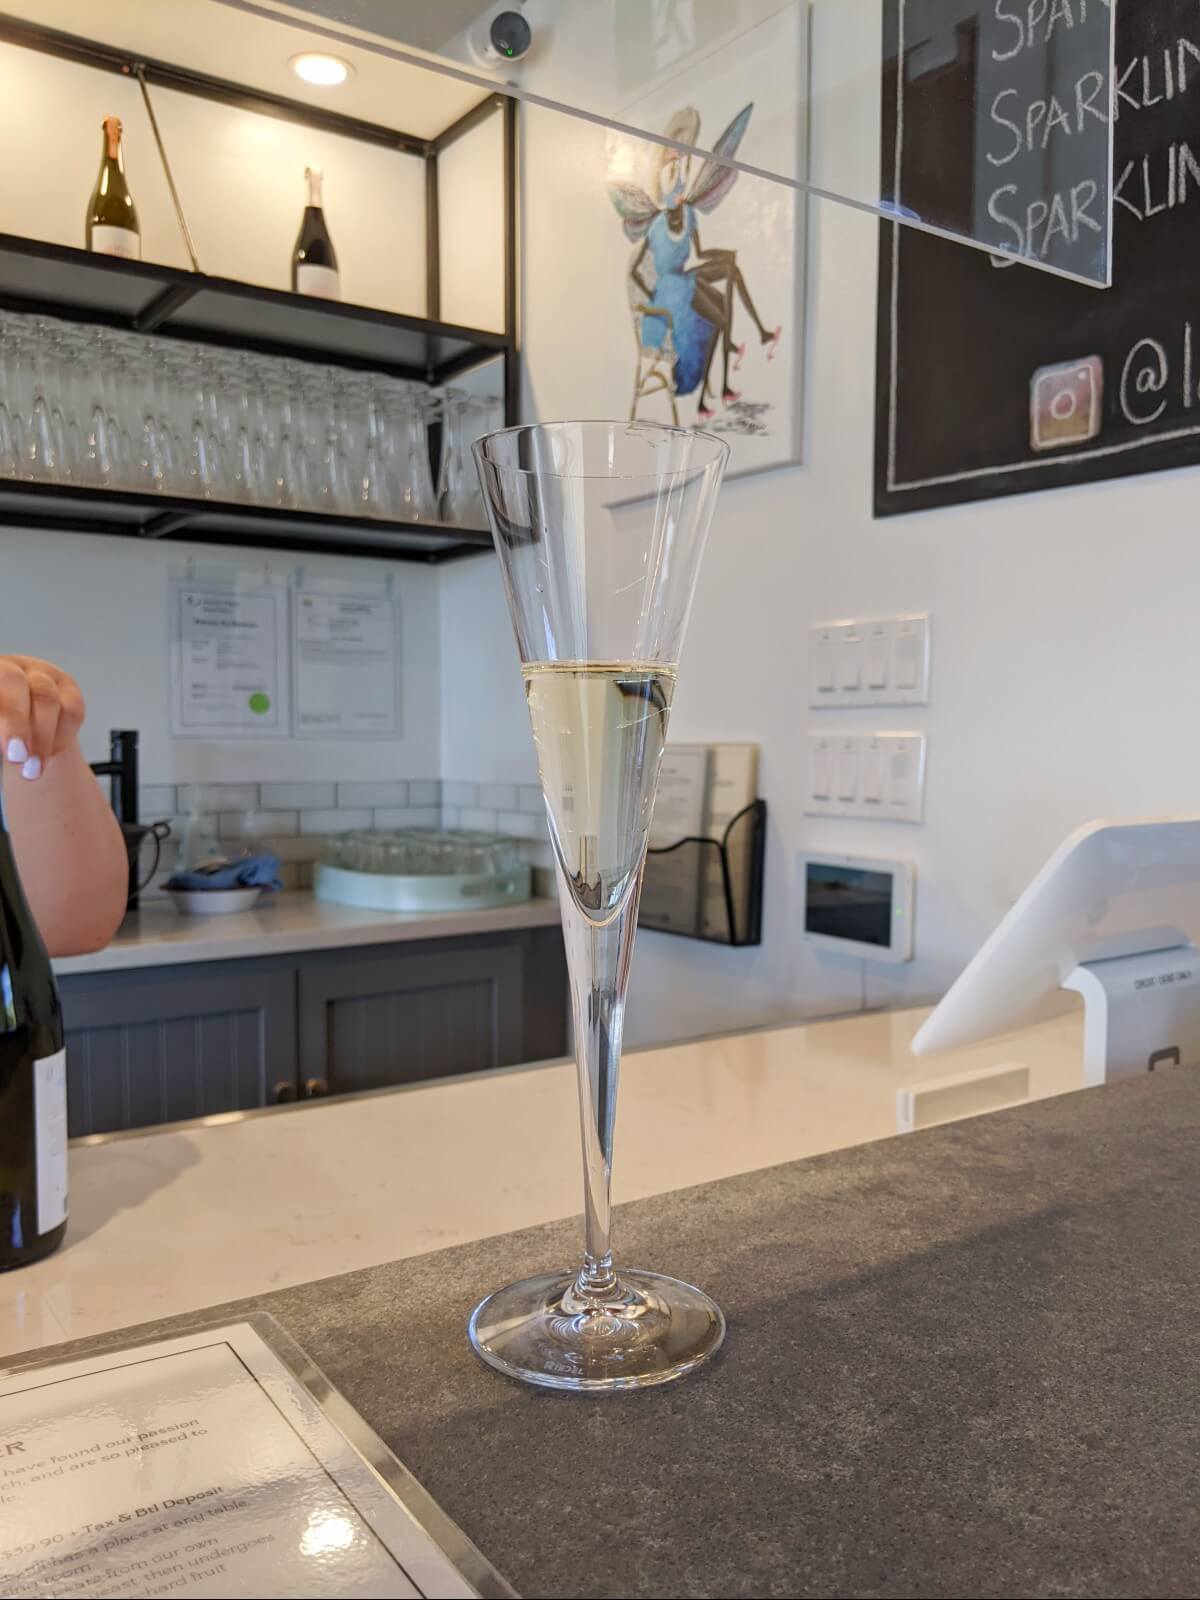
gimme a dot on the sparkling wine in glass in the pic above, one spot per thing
(599, 527)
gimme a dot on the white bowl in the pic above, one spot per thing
(213, 902)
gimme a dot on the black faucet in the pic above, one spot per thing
(121, 769)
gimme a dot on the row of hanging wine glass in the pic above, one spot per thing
(97, 407)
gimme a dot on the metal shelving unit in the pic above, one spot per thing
(39, 277)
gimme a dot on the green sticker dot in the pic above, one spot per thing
(260, 703)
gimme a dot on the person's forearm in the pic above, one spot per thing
(70, 853)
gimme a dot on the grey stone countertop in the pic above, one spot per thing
(157, 935)
(962, 1362)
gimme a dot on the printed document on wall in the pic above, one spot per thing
(229, 660)
(345, 647)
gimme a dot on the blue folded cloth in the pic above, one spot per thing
(251, 872)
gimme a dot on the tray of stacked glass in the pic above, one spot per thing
(423, 869)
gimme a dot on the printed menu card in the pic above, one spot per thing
(212, 1464)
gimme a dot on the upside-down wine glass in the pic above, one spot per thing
(599, 527)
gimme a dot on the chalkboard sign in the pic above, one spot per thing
(998, 125)
(993, 379)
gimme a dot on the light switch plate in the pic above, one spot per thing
(882, 661)
(878, 776)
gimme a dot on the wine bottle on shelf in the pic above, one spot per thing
(314, 260)
(33, 1081)
(112, 220)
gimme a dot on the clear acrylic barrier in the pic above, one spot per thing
(996, 126)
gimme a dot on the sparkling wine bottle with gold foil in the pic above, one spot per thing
(112, 220)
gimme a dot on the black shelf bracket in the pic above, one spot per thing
(168, 523)
(163, 306)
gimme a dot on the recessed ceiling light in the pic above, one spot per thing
(324, 71)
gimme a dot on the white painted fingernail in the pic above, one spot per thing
(32, 768)
(17, 750)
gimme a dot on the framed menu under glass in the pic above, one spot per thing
(216, 1462)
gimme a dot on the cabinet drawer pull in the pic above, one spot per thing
(284, 1092)
(314, 1088)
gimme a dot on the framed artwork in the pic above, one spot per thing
(711, 259)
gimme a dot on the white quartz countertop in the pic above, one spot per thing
(158, 936)
(188, 1216)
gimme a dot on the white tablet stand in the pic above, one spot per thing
(1140, 1012)
(1112, 916)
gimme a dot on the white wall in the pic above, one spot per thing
(1064, 628)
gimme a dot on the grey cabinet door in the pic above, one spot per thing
(371, 1020)
(147, 1047)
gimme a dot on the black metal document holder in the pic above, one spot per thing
(710, 889)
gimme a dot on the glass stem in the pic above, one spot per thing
(598, 957)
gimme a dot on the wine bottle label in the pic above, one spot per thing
(110, 241)
(50, 1139)
(320, 281)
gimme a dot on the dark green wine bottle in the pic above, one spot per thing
(112, 220)
(33, 1081)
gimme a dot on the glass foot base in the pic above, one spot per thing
(649, 1329)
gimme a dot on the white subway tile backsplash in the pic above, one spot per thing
(296, 819)
(457, 793)
(298, 796)
(156, 800)
(301, 848)
(519, 825)
(274, 823)
(335, 820)
(498, 796)
(231, 824)
(424, 817)
(408, 817)
(476, 820)
(373, 794)
(220, 796)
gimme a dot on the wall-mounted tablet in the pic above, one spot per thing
(859, 906)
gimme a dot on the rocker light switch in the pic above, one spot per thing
(870, 786)
(905, 661)
(879, 662)
(877, 657)
(847, 771)
(876, 776)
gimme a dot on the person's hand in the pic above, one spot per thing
(41, 711)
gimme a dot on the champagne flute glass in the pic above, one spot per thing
(18, 388)
(149, 465)
(419, 503)
(77, 354)
(455, 481)
(43, 443)
(599, 528)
